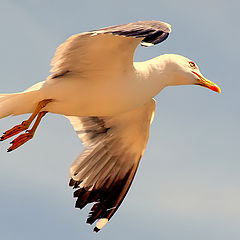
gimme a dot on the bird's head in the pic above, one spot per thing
(186, 72)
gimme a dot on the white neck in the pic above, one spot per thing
(152, 75)
(166, 70)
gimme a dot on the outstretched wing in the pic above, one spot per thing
(108, 48)
(104, 171)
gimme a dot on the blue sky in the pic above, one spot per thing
(188, 183)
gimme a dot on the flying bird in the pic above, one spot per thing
(108, 99)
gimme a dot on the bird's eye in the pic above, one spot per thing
(192, 64)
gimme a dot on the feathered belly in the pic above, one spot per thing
(88, 98)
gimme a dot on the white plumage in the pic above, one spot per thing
(108, 99)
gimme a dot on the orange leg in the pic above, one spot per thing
(25, 124)
(23, 138)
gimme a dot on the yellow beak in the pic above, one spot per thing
(208, 84)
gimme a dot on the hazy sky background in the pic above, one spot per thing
(188, 183)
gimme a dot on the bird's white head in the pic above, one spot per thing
(183, 71)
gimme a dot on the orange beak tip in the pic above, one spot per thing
(215, 88)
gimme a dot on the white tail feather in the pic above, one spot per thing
(19, 103)
(15, 104)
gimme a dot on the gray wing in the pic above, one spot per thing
(104, 171)
(107, 49)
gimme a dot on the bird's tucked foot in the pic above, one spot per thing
(21, 139)
(15, 130)
(25, 124)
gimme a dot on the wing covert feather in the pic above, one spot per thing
(107, 50)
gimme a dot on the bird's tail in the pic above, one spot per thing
(19, 103)
(15, 104)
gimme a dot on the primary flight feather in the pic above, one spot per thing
(108, 99)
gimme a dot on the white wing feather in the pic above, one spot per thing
(104, 171)
(113, 47)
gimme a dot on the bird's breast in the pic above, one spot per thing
(95, 97)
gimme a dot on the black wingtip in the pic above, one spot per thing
(96, 229)
(71, 182)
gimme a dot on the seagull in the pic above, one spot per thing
(108, 99)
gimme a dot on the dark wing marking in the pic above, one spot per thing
(104, 171)
(152, 32)
(59, 74)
